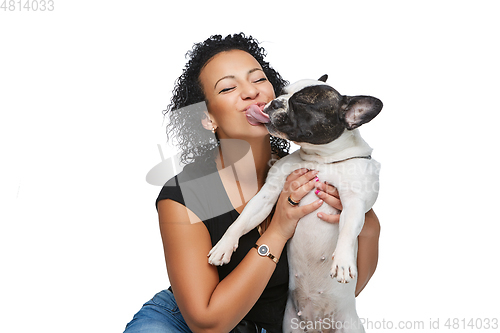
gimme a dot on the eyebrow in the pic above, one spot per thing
(232, 76)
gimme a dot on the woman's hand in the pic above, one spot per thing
(297, 185)
(330, 195)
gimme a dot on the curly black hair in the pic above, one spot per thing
(186, 127)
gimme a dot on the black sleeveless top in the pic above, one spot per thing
(199, 188)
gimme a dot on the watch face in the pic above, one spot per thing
(263, 250)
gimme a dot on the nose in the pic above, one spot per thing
(277, 104)
(249, 91)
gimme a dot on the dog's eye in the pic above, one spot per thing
(283, 119)
(287, 120)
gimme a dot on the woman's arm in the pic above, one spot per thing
(367, 250)
(206, 304)
(367, 239)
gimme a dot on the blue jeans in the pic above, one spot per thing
(160, 315)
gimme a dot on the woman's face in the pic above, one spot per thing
(232, 81)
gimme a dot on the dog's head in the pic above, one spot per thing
(312, 111)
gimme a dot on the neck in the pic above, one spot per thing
(349, 144)
(250, 158)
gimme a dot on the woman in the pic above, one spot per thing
(196, 207)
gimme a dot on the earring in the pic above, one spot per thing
(214, 129)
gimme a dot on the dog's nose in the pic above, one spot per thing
(276, 104)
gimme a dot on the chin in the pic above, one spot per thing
(254, 132)
(262, 129)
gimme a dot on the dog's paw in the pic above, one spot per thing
(221, 253)
(343, 267)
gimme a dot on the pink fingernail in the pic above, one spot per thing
(317, 191)
(317, 179)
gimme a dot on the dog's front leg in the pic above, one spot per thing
(352, 219)
(254, 213)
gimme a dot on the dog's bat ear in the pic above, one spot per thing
(323, 78)
(359, 110)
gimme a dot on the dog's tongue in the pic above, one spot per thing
(255, 116)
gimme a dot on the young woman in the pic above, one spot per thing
(196, 207)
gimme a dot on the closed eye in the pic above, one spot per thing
(226, 90)
(231, 88)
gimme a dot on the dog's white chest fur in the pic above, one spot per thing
(315, 297)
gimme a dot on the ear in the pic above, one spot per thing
(323, 78)
(359, 110)
(207, 122)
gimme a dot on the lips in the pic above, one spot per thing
(255, 116)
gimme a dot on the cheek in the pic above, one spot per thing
(270, 91)
(217, 108)
(224, 116)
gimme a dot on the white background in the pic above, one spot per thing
(82, 89)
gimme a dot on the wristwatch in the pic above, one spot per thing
(263, 250)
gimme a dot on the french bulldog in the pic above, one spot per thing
(324, 124)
